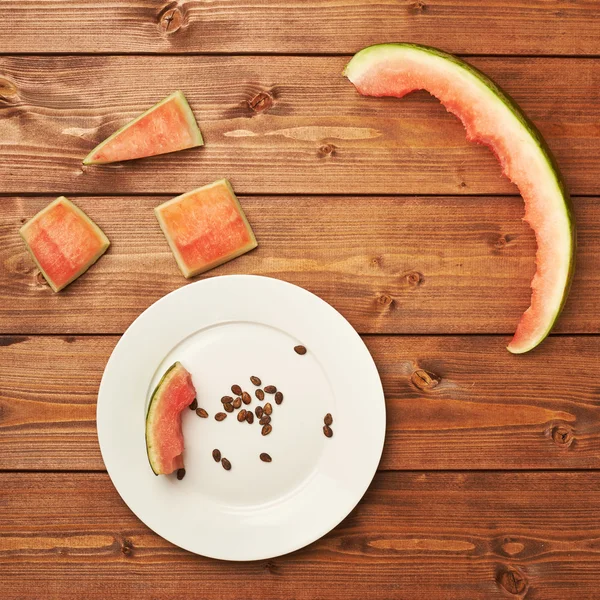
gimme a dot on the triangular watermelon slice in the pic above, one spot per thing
(168, 126)
(492, 118)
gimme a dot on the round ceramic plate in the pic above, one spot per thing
(225, 330)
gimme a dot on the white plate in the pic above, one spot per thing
(223, 330)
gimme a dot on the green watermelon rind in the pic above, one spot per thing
(101, 235)
(497, 93)
(154, 400)
(187, 273)
(189, 116)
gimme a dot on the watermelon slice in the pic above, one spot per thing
(64, 242)
(168, 126)
(492, 118)
(205, 227)
(164, 436)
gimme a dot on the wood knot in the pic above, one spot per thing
(39, 278)
(512, 548)
(376, 262)
(271, 567)
(562, 435)
(414, 278)
(424, 380)
(326, 150)
(503, 241)
(8, 90)
(417, 7)
(385, 300)
(511, 580)
(171, 18)
(261, 102)
(127, 547)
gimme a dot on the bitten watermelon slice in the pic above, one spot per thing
(205, 227)
(164, 436)
(64, 242)
(492, 118)
(168, 126)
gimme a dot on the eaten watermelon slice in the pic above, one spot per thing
(492, 118)
(205, 227)
(164, 436)
(64, 242)
(168, 126)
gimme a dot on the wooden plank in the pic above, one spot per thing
(312, 133)
(424, 536)
(390, 265)
(315, 26)
(483, 409)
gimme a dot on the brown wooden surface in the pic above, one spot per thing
(318, 136)
(305, 27)
(489, 486)
(531, 412)
(417, 535)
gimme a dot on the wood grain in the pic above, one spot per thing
(424, 536)
(390, 265)
(315, 26)
(453, 402)
(312, 133)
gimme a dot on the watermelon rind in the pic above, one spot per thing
(379, 53)
(189, 115)
(187, 273)
(99, 233)
(154, 401)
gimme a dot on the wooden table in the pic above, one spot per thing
(489, 486)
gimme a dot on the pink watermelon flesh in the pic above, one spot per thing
(64, 242)
(205, 227)
(168, 126)
(164, 435)
(491, 118)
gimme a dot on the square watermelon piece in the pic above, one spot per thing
(205, 227)
(64, 242)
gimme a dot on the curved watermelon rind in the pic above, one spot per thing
(154, 399)
(189, 117)
(378, 52)
(99, 233)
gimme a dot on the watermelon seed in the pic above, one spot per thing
(216, 453)
(241, 416)
(255, 380)
(249, 417)
(194, 404)
(226, 464)
(246, 399)
(258, 411)
(270, 389)
(278, 398)
(259, 394)
(237, 403)
(180, 474)
(266, 430)
(220, 416)
(268, 408)
(265, 420)
(236, 389)
(328, 420)
(201, 413)
(226, 400)
(301, 350)
(265, 457)
(327, 431)
(228, 407)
